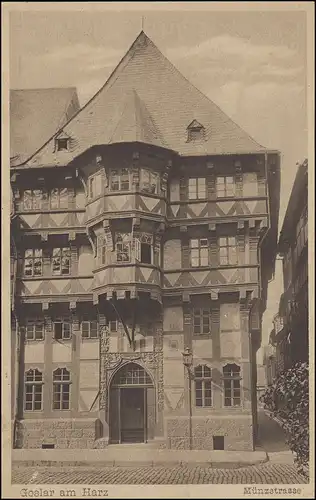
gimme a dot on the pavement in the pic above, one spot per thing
(271, 463)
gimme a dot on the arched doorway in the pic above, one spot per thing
(132, 405)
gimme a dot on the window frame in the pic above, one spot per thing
(225, 192)
(65, 323)
(31, 259)
(93, 191)
(31, 326)
(61, 256)
(121, 243)
(59, 197)
(231, 377)
(101, 250)
(139, 242)
(63, 384)
(33, 384)
(62, 140)
(151, 175)
(201, 313)
(194, 189)
(199, 251)
(229, 253)
(93, 326)
(203, 386)
(120, 180)
(32, 198)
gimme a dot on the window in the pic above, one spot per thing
(203, 386)
(62, 330)
(228, 251)
(196, 131)
(101, 250)
(120, 180)
(34, 330)
(113, 325)
(301, 235)
(201, 321)
(123, 247)
(132, 374)
(148, 181)
(33, 199)
(250, 184)
(61, 261)
(62, 144)
(144, 249)
(33, 390)
(59, 198)
(225, 186)
(33, 262)
(197, 188)
(61, 392)
(95, 185)
(89, 329)
(231, 375)
(199, 251)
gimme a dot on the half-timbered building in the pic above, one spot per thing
(144, 227)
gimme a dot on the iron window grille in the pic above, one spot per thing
(61, 389)
(33, 398)
(231, 376)
(33, 262)
(203, 386)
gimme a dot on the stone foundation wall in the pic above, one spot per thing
(237, 432)
(62, 433)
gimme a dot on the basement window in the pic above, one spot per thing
(48, 446)
(218, 442)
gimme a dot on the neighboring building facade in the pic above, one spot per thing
(290, 333)
(145, 225)
(269, 363)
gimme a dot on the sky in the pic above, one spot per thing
(250, 63)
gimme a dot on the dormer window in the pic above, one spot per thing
(196, 131)
(62, 144)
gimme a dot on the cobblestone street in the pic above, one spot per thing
(262, 474)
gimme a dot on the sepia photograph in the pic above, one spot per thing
(157, 193)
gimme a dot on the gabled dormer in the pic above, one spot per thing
(196, 131)
(62, 142)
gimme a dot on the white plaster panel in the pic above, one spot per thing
(85, 260)
(173, 319)
(89, 374)
(173, 345)
(202, 348)
(173, 371)
(80, 199)
(89, 349)
(174, 187)
(230, 344)
(34, 353)
(172, 254)
(113, 345)
(62, 352)
(86, 399)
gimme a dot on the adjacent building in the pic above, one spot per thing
(145, 226)
(290, 333)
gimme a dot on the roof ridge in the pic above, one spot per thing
(200, 92)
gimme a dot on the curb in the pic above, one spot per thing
(120, 463)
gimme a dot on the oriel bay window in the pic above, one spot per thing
(33, 390)
(228, 251)
(197, 188)
(61, 261)
(148, 182)
(201, 321)
(231, 377)
(61, 392)
(225, 186)
(59, 198)
(120, 179)
(199, 252)
(203, 386)
(33, 262)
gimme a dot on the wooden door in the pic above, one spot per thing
(114, 415)
(151, 413)
(132, 415)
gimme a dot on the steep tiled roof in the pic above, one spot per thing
(35, 115)
(163, 106)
